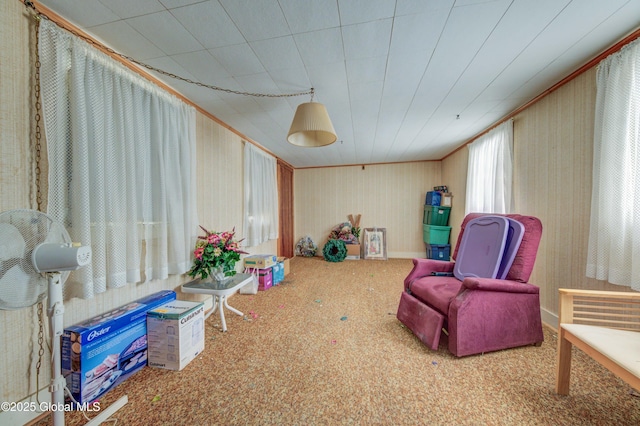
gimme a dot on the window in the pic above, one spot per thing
(121, 177)
(490, 171)
(614, 234)
(260, 197)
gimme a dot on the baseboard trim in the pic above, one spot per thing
(549, 318)
(406, 255)
(27, 417)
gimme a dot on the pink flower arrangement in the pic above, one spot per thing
(214, 251)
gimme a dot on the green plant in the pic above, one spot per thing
(215, 250)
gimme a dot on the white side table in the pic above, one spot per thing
(219, 290)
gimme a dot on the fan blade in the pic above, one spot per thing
(17, 289)
(13, 244)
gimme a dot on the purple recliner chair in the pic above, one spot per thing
(479, 314)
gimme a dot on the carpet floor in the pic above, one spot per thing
(325, 348)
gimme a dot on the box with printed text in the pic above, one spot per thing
(260, 261)
(101, 352)
(176, 334)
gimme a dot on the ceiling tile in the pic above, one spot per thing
(359, 11)
(366, 90)
(320, 47)
(209, 23)
(124, 39)
(258, 83)
(170, 4)
(277, 53)
(257, 20)
(367, 40)
(164, 30)
(169, 65)
(202, 65)
(417, 34)
(291, 80)
(84, 13)
(238, 59)
(128, 9)
(367, 69)
(310, 15)
(412, 7)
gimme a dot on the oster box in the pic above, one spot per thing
(101, 352)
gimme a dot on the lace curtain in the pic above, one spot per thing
(490, 171)
(614, 235)
(121, 174)
(260, 197)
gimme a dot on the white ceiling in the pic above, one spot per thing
(403, 80)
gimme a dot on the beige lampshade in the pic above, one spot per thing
(311, 126)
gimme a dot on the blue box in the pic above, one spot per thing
(103, 351)
(278, 273)
(433, 198)
(439, 251)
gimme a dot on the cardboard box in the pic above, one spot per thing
(353, 251)
(103, 351)
(259, 261)
(176, 334)
(446, 199)
(285, 262)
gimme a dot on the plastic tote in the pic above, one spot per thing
(252, 287)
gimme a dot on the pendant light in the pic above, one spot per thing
(311, 125)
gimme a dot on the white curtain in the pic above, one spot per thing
(260, 196)
(490, 171)
(121, 174)
(614, 235)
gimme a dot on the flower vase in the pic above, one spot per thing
(218, 274)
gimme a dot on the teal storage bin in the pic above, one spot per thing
(436, 215)
(433, 234)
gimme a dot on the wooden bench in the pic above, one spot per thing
(606, 326)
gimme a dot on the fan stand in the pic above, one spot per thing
(55, 311)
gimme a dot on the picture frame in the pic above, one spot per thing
(375, 243)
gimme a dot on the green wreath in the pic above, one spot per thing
(334, 251)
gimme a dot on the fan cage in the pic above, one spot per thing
(21, 231)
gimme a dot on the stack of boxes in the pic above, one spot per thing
(435, 227)
(103, 351)
(270, 269)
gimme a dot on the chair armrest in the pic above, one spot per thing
(505, 286)
(603, 324)
(599, 294)
(424, 267)
(614, 309)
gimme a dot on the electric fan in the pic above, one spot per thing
(36, 255)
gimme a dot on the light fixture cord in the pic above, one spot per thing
(165, 73)
(37, 171)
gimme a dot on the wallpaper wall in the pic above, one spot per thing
(387, 196)
(220, 203)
